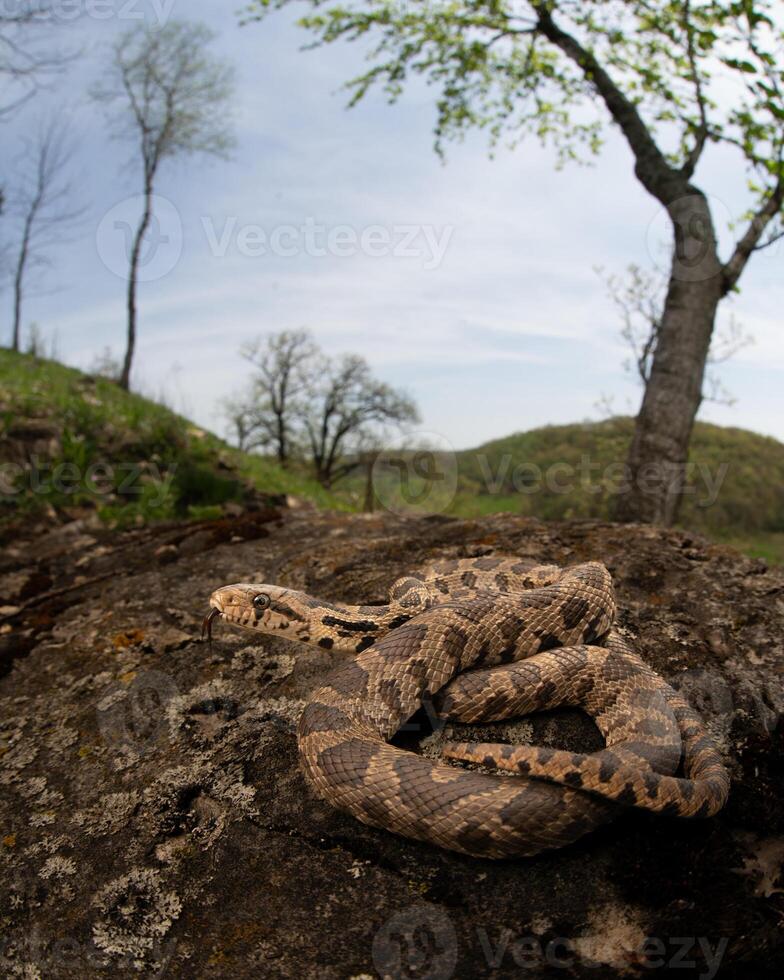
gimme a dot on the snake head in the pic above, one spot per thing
(267, 608)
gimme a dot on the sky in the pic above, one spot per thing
(472, 284)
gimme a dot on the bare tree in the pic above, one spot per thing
(105, 365)
(348, 404)
(44, 206)
(37, 344)
(28, 56)
(239, 414)
(640, 299)
(267, 416)
(300, 402)
(176, 102)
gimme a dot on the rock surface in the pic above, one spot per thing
(153, 820)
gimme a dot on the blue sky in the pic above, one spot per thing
(491, 316)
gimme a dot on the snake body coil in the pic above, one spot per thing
(479, 640)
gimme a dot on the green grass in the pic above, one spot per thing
(735, 489)
(180, 470)
(735, 483)
(133, 459)
(266, 473)
(767, 546)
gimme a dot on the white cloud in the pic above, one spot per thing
(512, 329)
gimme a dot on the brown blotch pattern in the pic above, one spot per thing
(498, 640)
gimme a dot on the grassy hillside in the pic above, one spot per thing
(92, 444)
(735, 489)
(96, 446)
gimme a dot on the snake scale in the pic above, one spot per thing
(477, 640)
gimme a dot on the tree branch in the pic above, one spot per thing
(25, 26)
(771, 241)
(701, 137)
(651, 166)
(749, 242)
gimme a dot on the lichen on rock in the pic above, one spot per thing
(153, 816)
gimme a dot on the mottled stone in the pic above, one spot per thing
(154, 821)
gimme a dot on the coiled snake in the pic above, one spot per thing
(485, 639)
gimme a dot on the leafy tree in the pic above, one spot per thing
(674, 76)
(175, 101)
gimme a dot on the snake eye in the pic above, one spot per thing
(262, 601)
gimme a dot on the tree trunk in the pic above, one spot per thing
(660, 445)
(125, 376)
(17, 308)
(283, 449)
(369, 504)
(659, 450)
(21, 266)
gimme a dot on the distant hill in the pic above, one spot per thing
(736, 478)
(70, 441)
(131, 459)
